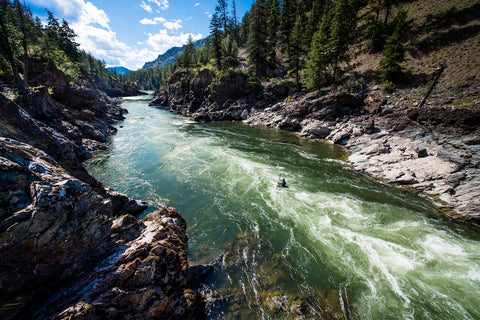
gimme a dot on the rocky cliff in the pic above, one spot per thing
(434, 149)
(71, 247)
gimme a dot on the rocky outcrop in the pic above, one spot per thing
(434, 149)
(68, 252)
(119, 90)
(206, 97)
(44, 73)
(68, 124)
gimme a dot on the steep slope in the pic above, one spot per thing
(170, 56)
(443, 33)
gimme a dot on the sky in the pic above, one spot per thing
(129, 33)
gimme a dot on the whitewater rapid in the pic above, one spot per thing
(334, 240)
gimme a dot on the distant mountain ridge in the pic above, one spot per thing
(170, 56)
(119, 70)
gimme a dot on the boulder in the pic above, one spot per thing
(76, 97)
(374, 102)
(370, 127)
(315, 129)
(340, 136)
(420, 151)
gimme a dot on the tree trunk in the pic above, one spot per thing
(387, 13)
(438, 72)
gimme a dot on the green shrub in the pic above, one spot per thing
(6, 73)
(253, 82)
(388, 86)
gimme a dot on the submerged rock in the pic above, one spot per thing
(263, 293)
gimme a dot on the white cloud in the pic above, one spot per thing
(146, 7)
(197, 4)
(94, 34)
(91, 15)
(208, 14)
(173, 25)
(156, 20)
(162, 4)
(162, 41)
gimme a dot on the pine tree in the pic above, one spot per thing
(204, 52)
(235, 31)
(272, 28)
(216, 36)
(221, 9)
(257, 36)
(66, 38)
(244, 28)
(288, 18)
(229, 52)
(343, 24)
(314, 20)
(53, 27)
(319, 59)
(9, 34)
(25, 39)
(394, 53)
(295, 52)
(51, 39)
(378, 30)
(187, 56)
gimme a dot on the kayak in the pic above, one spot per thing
(280, 186)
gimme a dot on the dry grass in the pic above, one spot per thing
(443, 32)
(420, 10)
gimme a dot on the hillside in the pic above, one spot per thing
(439, 32)
(433, 33)
(442, 33)
(169, 56)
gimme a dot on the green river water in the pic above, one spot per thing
(334, 244)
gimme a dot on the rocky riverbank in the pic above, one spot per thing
(433, 149)
(70, 246)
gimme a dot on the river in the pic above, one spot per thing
(333, 244)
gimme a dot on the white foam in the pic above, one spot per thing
(435, 246)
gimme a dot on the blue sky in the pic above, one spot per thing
(131, 32)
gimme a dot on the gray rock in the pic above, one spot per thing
(64, 236)
(340, 137)
(315, 129)
(420, 151)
